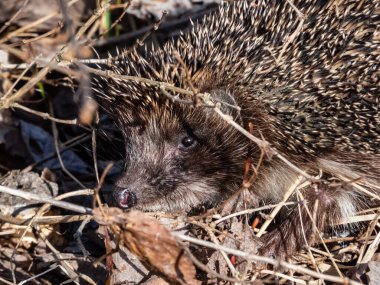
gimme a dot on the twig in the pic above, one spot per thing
(94, 150)
(6, 282)
(294, 167)
(361, 188)
(38, 275)
(42, 199)
(150, 82)
(8, 23)
(125, 9)
(39, 213)
(262, 144)
(250, 211)
(34, 39)
(174, 98)
(45, 116)
(316, 230)
(305, 240)
(7, 102)
(9, 92)
(45, 220)
(294, 34)
(69, 270)
(96, 198)
(358, 219)
(92, 19)
(210, 232)
(274, 262)
(34, 24)
(286, 196)
(204, 268)
(287, 277)
(371, 250)
(78, 235)
(56, 145)
(364, 246)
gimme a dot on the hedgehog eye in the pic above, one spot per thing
(188, 143)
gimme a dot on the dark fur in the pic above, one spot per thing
(314, 97)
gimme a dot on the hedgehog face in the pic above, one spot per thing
(180, 160)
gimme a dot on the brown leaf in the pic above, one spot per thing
(152, 243)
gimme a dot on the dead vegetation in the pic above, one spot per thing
(54, 225)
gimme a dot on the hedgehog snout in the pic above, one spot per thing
(124, 198)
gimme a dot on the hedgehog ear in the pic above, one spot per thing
(227, 102)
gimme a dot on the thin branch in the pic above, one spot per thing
(38, 198)
(45, 116)
(274, 262)
(296, 184)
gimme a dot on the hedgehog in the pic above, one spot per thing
(303, 74)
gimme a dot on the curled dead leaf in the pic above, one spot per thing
(152, 243)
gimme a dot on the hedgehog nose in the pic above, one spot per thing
(124, 198)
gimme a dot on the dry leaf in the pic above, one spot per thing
(152, 243)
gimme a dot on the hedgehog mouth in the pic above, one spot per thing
(125, 199)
